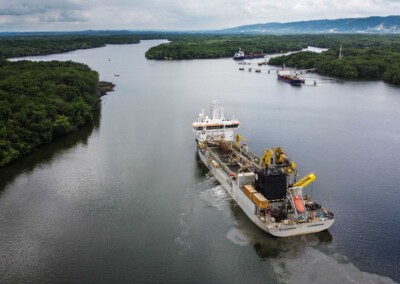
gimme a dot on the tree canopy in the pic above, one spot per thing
(42, 100)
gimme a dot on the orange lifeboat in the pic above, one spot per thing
(298, 203)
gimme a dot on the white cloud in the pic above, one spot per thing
(177, 14)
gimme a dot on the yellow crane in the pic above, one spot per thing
(282, 158)
(266, 158)
(238, 138)
(306, 180)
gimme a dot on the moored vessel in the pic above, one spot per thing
(240, 55)
(288, 77)
(266, 188)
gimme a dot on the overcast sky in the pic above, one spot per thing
(67, 15)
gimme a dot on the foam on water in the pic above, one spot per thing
(215, 197)
(314, 266)
(238, 237)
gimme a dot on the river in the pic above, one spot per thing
(125, 200)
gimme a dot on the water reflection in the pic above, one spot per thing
(200, 170)
(48, 152)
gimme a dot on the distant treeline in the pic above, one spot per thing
(218, 46)
(365, 56)
(18, 46)
(42, 100)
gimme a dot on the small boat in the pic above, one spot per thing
(241, 68)
(258, 70)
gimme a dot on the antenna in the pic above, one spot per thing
(215, 110)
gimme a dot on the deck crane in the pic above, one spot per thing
(266, 159)
(305, 181)
(282, 159)
(238, 138)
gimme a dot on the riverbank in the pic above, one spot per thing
(104, 88)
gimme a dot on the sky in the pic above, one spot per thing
(73, 15)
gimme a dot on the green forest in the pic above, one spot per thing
(365, 56)
(18, 46)
(42, 100)
(217, 46)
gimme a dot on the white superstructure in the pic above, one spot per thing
(239, 54)
(216, 127)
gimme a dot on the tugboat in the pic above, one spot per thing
(288, 77)
(240, 55)
(266, 188)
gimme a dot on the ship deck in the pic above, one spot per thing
(226, 158)
(231, 157)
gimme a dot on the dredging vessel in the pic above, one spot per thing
(266, 187)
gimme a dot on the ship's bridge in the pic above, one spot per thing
(215, 128)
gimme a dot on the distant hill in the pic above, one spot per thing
(389, 24)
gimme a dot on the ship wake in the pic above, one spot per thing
(314, 266)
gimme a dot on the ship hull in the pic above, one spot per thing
(293, 82)
(276, 229)
(254, 56)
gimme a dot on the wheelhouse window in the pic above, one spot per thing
(215, 127)
(232, 126)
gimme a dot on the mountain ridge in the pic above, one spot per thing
(373, 24)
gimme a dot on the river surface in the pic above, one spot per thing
(125, 200)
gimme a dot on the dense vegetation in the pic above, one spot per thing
(42, 100)
(365, 56)
(215, 46)
(17, 46)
